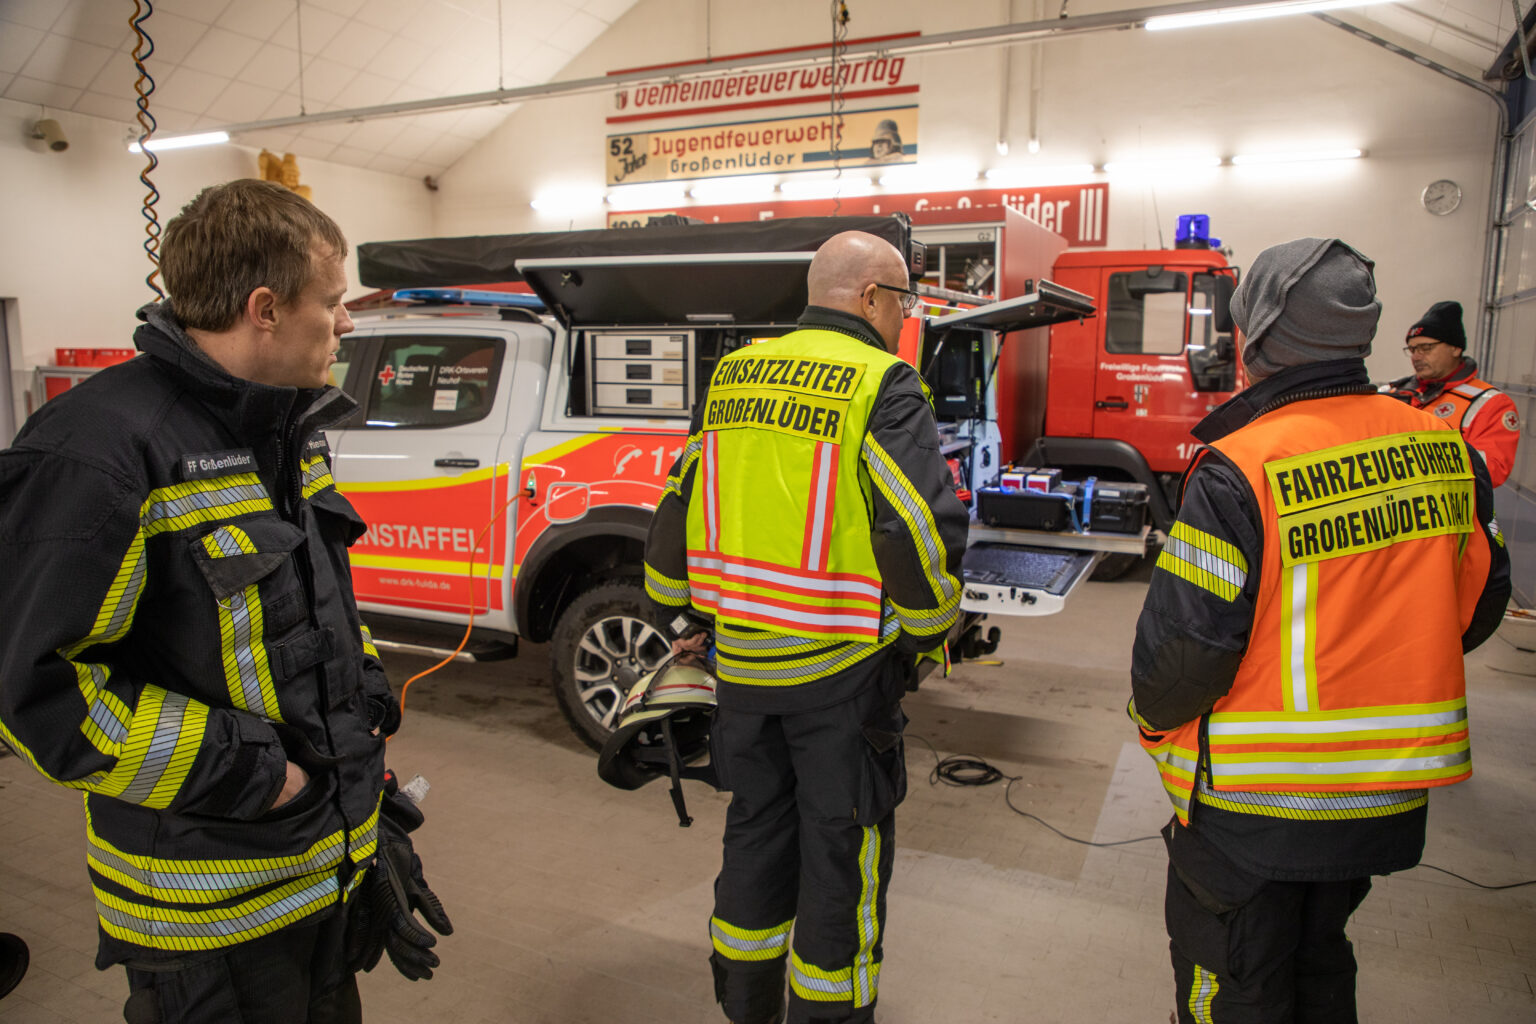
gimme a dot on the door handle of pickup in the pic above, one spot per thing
(456, 463)
(1112, 403)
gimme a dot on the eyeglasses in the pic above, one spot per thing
(1419, 350)
(908, 296)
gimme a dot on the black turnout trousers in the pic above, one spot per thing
(809, 843)
(1250, 950)
(294, 976)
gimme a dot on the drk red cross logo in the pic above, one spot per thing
(387, 374)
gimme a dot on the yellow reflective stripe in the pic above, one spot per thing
(1338, 806)
(866, 971)
(820, 985)
(749, 944)
(1298, 637)
(664, 589)
(182, 506)
(914, 511)
(1335, 767)
(929, 621)
(1191, 573)
(1386, 716)
(690, 455)
(161, 927)
(242, 633)
(1202, 993)
(1176, 770)
(369, 648)
(162, 742)
(317, 476)
(1205, 560)
(1142, 723)
(444, 567)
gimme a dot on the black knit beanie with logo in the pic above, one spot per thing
(1441, 323)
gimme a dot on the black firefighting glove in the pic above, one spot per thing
(383, 917)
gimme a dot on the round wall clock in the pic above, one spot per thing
(1441, 197)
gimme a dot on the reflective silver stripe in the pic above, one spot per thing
(835, 988)
(662, 585)
(199, 501)
(869, 927)
(1315, 801)
(106, 720)
(1222, 726)
(1228, 770)
(690, 452)
(1201, 559)
(778, 941)
(1468, 390)
(1470, 416)
(151, 925)
(928, 621)
(171, 876)
(899, 487)
(162, 747)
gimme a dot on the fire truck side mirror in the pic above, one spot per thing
(1222, 311)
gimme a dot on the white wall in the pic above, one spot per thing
(71, 250)
(1285, 84)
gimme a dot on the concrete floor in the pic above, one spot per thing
(575, 903)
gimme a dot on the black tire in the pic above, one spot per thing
(1112, 567)
(622, 643)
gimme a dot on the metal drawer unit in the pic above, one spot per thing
(638, 372)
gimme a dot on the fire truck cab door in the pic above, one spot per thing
(421, 461)
(1143, 392)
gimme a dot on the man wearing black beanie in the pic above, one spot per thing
(1445, 382)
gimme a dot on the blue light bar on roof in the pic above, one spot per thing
(469, 297)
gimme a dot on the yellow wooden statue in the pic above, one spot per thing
(284, 170)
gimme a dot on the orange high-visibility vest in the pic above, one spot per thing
(1486, 417)
(1351, 698)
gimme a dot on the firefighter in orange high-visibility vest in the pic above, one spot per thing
(1297, 672)
(1445, 383)
(812, 521)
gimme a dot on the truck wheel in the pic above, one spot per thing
(1112, 567)
(604, 642)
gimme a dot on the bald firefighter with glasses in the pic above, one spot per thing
(1297, 672)
(812, 522)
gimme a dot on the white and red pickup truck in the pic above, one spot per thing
(509, 448)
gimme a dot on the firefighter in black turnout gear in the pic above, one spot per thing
(179, 638)
(811, 518)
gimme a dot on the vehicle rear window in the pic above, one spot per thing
(434, 380)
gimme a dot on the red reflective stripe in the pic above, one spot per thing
(782, 588)
(801, 626)
(789, 570)
(818, 509)
(869, 612)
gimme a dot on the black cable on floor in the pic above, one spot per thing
(1480, 885)
(969, 770)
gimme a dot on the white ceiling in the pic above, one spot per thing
(221, 62)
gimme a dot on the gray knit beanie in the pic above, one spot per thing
(1306, 301)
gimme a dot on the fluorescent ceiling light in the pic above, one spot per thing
(180, 142)
(565, 201)
(827, 188)
(929, 178)
(743, 188)
(1252, 159)
(1026, 175)
(1169, 165)
(648, 196)
(1278, 10)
